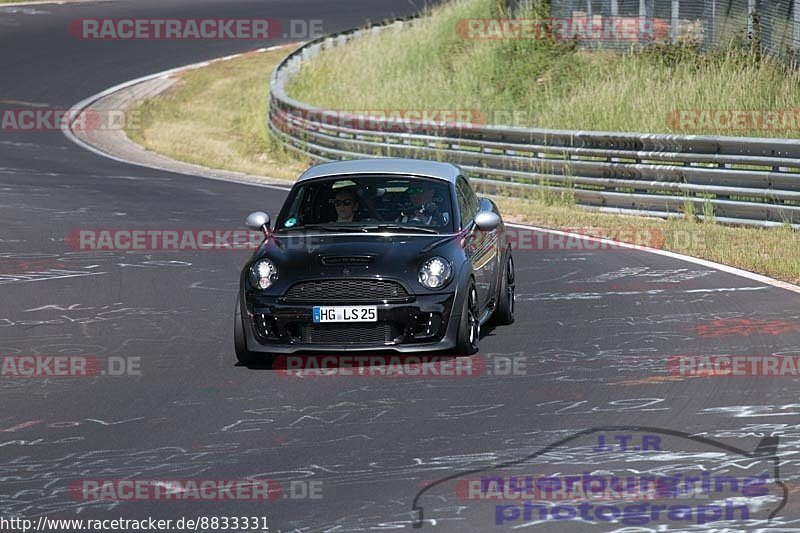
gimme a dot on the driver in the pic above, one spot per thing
(424, 210)
(346, 204)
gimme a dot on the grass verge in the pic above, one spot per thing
(215, 117)
(773, 252)
(548, 83)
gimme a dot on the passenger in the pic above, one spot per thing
(424, 210)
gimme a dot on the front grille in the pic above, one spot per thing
(379, 333)
(346, 290)
(348, 260)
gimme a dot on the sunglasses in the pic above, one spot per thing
(346, 203)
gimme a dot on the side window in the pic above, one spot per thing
(462, 204)
(297, 212)
(472, 200)
(467, 201)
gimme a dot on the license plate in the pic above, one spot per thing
(341, 313)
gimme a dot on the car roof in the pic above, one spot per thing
(408, 167)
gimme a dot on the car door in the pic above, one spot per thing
(479, 244)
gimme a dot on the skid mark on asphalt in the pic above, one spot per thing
(28, 266)
(153, 264)
(675, 275)
(653, 292)
(48, 275)
(658, 320)
(745, 327)
(232, 287)
(35, 487)
(106, 313)
(30, 11)
(750, 411)
(24, 102)
(652, 380)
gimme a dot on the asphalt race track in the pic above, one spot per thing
(593, 334)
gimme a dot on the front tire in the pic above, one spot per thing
(504, 313)
(245, 356)
(469, 329)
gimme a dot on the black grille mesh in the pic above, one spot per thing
(348, 260)
(347, 333)
(346, 290)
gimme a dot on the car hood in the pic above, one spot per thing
(357, 254)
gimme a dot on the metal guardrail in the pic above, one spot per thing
(750, 181)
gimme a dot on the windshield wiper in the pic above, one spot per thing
(378, 227)
(323, 227)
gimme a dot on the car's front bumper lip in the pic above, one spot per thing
(403, 316)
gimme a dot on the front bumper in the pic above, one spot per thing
(423, 324)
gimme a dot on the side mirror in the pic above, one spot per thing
(258, 221)
(487, 221)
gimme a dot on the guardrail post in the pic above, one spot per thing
(796, 26)
(645, 21)
(709, 23)
(589, 33)
(675, 21)
(614, 16)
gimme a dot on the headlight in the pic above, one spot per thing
(435, 273)
(263, 273)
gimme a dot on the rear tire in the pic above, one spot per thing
(469, 329)
(245, 356)
(504, 313)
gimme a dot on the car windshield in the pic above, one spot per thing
(360, 203)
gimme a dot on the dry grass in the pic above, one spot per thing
(542, 83)
(774, 252)
(215, 117)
